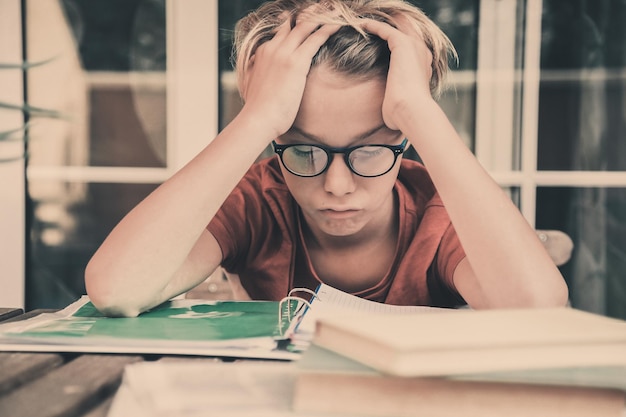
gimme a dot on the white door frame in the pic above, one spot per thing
(12, 188)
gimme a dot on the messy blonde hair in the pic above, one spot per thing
(350, 51)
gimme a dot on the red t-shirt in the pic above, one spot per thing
(258, 229)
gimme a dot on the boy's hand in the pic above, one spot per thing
(410, 69)
(277, 74)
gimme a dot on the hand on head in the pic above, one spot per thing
(273, 73)
(410, 67)
(277, 72)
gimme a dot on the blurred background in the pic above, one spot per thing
(136, 87)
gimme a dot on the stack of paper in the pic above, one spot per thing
(197, 388)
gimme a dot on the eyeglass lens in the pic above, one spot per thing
(311, 160)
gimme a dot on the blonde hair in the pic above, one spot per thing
(350, 50)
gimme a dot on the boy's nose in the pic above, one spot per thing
(338, 178)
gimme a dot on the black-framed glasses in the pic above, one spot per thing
(306, 160)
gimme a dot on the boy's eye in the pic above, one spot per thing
(368, 152)
(306, 151)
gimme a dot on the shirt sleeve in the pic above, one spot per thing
(252, 225)
(448, 256)
(227, 228)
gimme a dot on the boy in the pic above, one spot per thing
(340, 89)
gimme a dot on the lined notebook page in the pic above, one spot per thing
(331, 301)
(329, 297)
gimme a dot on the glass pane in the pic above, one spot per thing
(106, 78)
(595, 219)
(457, 18)
(230, 11)
(68, 222)
(515, 194)
(582, 109)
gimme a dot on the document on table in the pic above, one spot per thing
(201, 387)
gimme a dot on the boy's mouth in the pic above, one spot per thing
(339, 213)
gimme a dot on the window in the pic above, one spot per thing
(131, 117)
(539, 96)
(581, 170)
(12, 208)
(560, 137)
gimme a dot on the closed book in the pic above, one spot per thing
(468, 341)
(330, 383)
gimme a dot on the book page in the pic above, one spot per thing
(331, 301)
(329, 297)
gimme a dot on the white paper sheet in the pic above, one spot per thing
(196, 388)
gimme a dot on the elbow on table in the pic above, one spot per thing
(527, 299)
(556, 295)
(108, 301)
(540, 295)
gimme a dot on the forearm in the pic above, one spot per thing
(510, 264)
(155, 251)
(135, 266)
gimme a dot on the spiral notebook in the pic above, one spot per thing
(330, 301)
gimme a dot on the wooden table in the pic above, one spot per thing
(58, 384)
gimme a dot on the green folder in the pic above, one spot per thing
(197, 327)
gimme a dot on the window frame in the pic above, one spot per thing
(495, 104)
(192, 115)
(12, 181)
(192, 122)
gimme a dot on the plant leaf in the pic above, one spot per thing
(41, 112)
(11, 106)
(10, 135)
(34, 111)
(25, 65)
(15, 158)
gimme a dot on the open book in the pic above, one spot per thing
(327, 301)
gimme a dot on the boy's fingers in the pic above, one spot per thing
(314, 42)
(283, 29)
(300, 33)
(390, 34)
(287, 39)
(309, 12)
(380, 29)
(386, 31)
(308, 24)
(404, 25)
